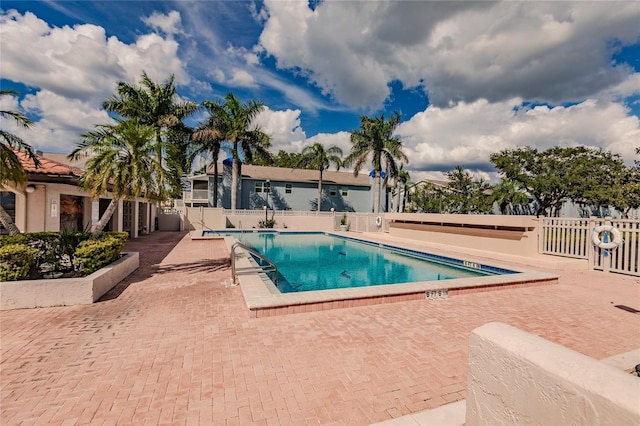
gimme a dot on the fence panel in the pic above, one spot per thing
(624, 259)
(565, 237)
(572, 238)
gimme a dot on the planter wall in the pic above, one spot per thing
(66, 291)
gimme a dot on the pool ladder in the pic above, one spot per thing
(269, 267)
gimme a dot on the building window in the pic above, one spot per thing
(333, 191)
(263, 186)
(344, 191)
(288, 188)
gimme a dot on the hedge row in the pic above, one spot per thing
(92, 255)
(28, 256)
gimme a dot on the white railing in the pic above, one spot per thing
(261, 212)
(573, 238)
(565, 237)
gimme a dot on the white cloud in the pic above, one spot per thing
(438, 139)
(80, 62)
(62, 121)
(545, 51)
(76, 68)
(284, 129)
(287, 134)
(170, 24)
(341, 139)
(241, 78)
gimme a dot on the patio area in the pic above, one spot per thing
(173, 345)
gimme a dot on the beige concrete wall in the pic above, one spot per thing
(518, 378)
(169, 222)
(34, 209)
(198, 218)
(514, 235)
(290, 222)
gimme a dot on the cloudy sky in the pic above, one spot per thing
(469, 78)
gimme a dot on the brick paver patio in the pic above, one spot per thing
(173, 345)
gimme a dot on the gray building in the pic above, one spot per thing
(285, 189)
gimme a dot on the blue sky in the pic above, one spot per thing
(469, 78)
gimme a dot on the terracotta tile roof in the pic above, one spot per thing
(47, 166)
(62, 159)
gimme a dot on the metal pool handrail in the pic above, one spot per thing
(234, 271)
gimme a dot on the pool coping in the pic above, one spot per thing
(262, 299)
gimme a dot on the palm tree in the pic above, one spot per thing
(207, 140)
(11, 169)
(318, 158)
(234, 122)
(507, 194)
(375, 138)
(401, 184)
(154, 105)
(122, 162)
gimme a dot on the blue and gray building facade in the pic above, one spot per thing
(285, 189)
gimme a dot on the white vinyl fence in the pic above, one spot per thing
(573, 238)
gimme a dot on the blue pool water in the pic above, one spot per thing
(317, 261)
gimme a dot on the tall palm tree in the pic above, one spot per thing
(507, 194)
(234, 120)
(375, 139)
(318, 158)
(207, 140)
(155, 105)
(401, 184)
(122, 162)
(11, 169)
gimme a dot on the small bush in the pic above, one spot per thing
(38, 254)
(269, 223)
(93, 254)
(16, 261)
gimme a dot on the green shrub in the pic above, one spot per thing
(31, 255)
(269, 223)
(12, 239)
(16, 261)
(93, 254)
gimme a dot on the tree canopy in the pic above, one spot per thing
(122, 162)
(158, 106)
(375, 139)
(585, 175)
(11, 169)
(234, 121)
(466, 194)
(320, 158)
(283, 158)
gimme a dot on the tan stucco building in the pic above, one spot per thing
(52, 201)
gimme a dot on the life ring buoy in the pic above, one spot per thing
(615, 241)
(378, 221)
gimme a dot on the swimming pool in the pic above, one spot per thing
(310, 261)
(263, 299)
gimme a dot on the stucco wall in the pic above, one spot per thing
(518, 378)
(40, 210)
(196, 218)
(513, 235)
